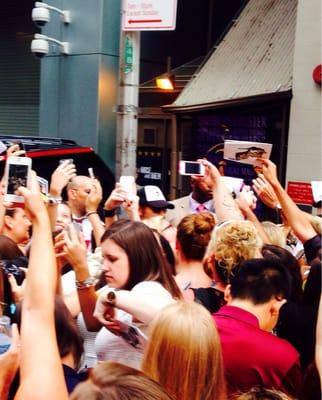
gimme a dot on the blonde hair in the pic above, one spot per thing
(193, 234)
(232, 243)
(316, 223)
(275, 233)
(184, 353)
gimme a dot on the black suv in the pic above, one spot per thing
(46, 153)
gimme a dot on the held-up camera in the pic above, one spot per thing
(12, 267)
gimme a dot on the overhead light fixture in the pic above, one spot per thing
(165, 82)
(40, 14)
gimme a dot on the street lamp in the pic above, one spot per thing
(165, 82)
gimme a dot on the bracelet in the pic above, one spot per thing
(86, 283)
(109, 213)
(91, 213)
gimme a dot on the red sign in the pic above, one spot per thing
(300, 192)
(317, 74)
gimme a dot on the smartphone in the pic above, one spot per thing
(128, 182)
(191, 168)
(17, 174)
(3, 147)
(66, 160)
(43, 185)
(91, 173)
(77, 226)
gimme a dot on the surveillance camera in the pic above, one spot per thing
(40, 16)
(39, 47)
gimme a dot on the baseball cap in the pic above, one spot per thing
(152, 196)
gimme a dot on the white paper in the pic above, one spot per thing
(233, 184)
(317, 190)
(246, 152)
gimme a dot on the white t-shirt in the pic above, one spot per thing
(114, 348)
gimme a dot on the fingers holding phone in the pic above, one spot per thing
(17, 174)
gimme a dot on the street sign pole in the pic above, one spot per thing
(136, 16)
(128, 98)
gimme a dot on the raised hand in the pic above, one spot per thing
(60, 177)
(74, 248)
(14, 151)
(34, 205)
(269, 171)
(116, 198)
(94, 197)
(264, 191)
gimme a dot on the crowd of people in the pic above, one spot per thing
(136, 297)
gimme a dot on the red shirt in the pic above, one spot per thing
(253, 357)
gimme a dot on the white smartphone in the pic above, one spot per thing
(43, 185)
(17, 174)
(91, 173)
(191, 168)
(128, 182)
(3, 147)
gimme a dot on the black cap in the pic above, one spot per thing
(152, 196)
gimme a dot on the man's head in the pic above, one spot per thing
(201, 191)
(263, 285)
(78, 189)
(16, 225)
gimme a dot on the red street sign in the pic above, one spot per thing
(300, 192)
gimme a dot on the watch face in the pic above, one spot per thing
(111, 297)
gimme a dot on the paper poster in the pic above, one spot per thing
(246, 152)
(317, 190)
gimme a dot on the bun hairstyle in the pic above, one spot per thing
(193, 234)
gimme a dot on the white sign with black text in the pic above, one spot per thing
(149, 15)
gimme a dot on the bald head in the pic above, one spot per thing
(78, 181)
(78, 189)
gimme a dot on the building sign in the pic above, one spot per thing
(146, 15)
(128, 55)
(300, 192)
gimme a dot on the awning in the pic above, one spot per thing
(253, 62)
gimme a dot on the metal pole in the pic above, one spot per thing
(127, 109)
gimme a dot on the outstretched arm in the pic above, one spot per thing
(298, 222)
(41, 372)
(225, 206)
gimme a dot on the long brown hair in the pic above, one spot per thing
(184, 353)
(114, 381)
(146, 260)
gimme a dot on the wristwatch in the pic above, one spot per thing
(111, 298)
(52, 200)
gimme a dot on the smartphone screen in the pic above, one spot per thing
(191, 168)
(17, 176)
